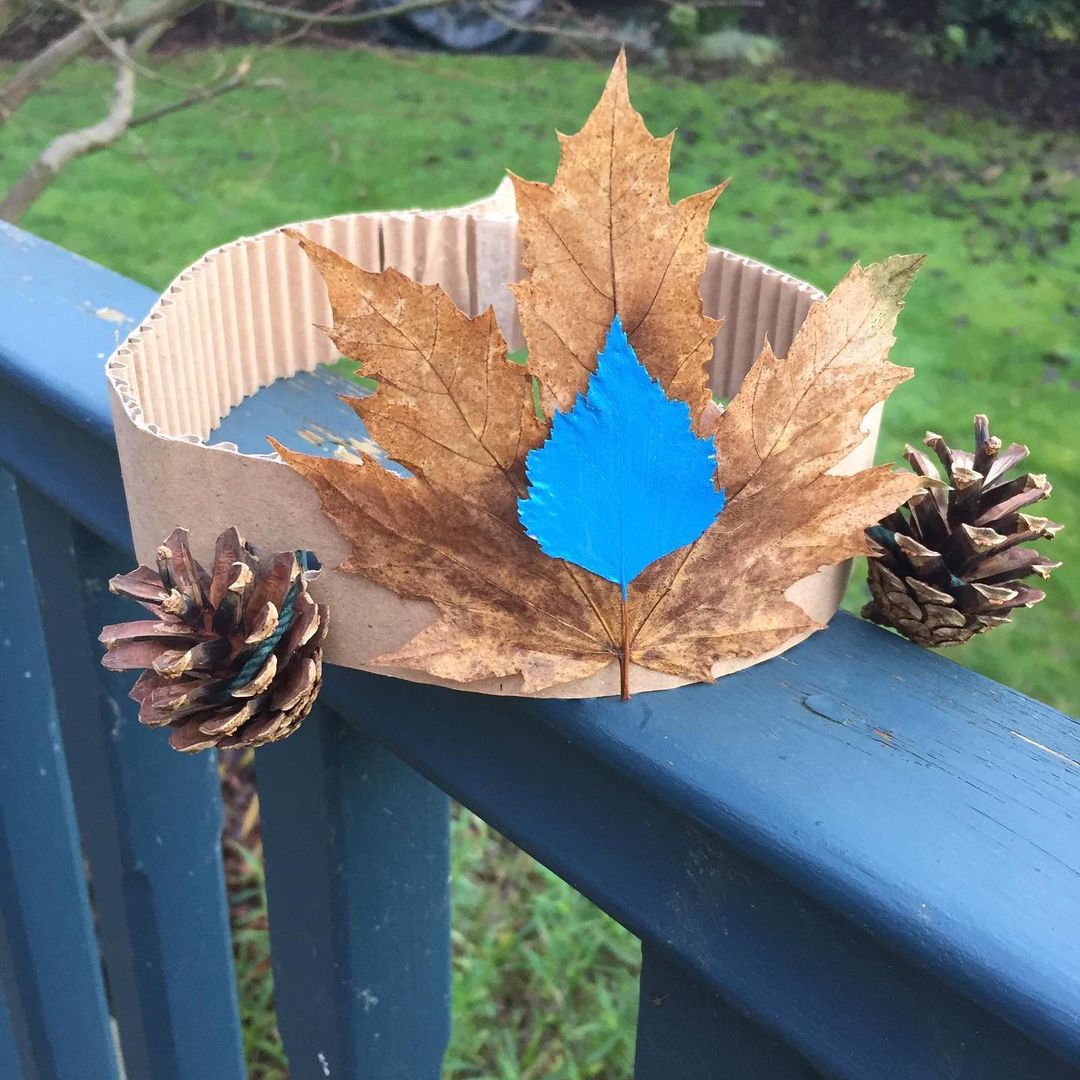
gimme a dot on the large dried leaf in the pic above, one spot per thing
(450, 406)
(604, 239)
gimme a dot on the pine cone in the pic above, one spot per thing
(232, 658)
(949, 562)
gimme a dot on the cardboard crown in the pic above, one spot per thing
(248, 313)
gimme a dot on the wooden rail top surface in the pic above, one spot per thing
(933, 808)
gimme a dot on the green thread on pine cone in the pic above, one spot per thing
(285, 618)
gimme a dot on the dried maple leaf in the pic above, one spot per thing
(450, 406)
(604, 239)
(786, 517)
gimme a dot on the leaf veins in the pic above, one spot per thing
(604, 239)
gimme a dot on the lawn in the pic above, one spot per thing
(822, 174)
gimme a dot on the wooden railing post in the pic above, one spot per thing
(50, 973)
(9, 1050)
(687, 1030)
(151, 825)
(358, 868)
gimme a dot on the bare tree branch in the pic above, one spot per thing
(72, 144)
(42, 67)
(324, 19)
(146, 39)
(597, 30)
(119, 54)
(197, 97)
(110, 25)
(302, 29)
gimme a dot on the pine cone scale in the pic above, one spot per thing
(272, 585)
(264, 624)
(936, 616)
(227, 723)
(187, 738)
(164, 629)
(262, 680)
(1007, 460)
(130, 655)
(297, 684)
(927, 593)
(229, 565)
(180, 571)
(306, 623)
(144, 586)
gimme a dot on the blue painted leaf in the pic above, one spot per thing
(622, 479)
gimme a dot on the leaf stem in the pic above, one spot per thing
(624, 657)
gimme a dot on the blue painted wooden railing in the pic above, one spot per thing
(858, 860)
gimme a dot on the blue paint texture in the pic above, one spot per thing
(622, 479)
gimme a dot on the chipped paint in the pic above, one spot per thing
(343, 446)
(1046, 749)
(830, 708)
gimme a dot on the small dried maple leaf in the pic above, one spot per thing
(786, 517)
(602, 240)
(450, 406)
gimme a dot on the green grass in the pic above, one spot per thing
(544, 984)
(251, 953)
(822, 174)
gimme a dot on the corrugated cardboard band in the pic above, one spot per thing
(247, 313)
